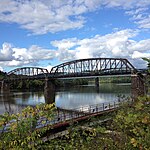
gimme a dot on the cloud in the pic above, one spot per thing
(1, 69)
(137, 10)
(140, 16)
(115, 45)
(118, 44)
(137, 54)
(15, 56)
(44, 16)
(6, 53)
(49, 67)
(41, 16)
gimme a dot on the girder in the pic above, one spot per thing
(77, 68)
(93, 67)
(28, 72)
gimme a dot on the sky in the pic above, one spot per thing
(45, 33)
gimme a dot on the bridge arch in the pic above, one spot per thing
(28, 72)
(93, 67)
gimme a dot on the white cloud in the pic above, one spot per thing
(49, 67)
(117, 44)
(65, 43)
(137, 10)
(1, 69)
(137, 54)
(142, 46)
(111, 45)
(6, 52)
(43, 16)
(14, 56)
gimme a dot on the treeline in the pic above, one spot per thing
(39, 84)
(74, 82)
(120, 79)
(2, 75)
(27, 84)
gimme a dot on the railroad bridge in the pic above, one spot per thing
(82, 68)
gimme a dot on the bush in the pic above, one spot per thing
(19, 131)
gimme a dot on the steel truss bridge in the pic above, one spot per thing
(77, 68)
(92, 67)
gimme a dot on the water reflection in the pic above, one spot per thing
(89, 95)
(67, 98)
(15, 101)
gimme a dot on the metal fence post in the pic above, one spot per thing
(103, 106)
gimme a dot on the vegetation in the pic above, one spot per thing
(120, 79)
(148, 65)
(129, 129)
(27, 84)
(18, 131)
(2, 75)
(75, 82)
(39, 84)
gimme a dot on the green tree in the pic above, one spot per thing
(148, 61)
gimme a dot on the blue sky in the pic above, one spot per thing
(45, 33)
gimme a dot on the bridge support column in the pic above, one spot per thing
(49, 91)
(97, 82)
(138, 87)
(5, 87)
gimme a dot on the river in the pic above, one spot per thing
(66, 98)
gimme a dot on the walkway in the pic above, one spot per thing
(63, 117)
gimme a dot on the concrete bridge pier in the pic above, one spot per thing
(97, 82)
(138, 87)
(5, 87)
(49, 91)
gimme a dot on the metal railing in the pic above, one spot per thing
(66, 115)
(62, 116)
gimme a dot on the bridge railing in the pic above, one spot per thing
(78, 113)
(63, 115)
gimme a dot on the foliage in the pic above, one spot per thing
(132, 124)
(148, 61)
(115, 79)
(27, 84)
(38, 84)
(75, 82)
(2, 75)
(19, 131)
(129, 130)
(148, 66)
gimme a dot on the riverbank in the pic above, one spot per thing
(127, 130)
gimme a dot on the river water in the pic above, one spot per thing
(66, 98)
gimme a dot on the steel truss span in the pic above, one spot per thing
(28, 72)
(93, 67)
